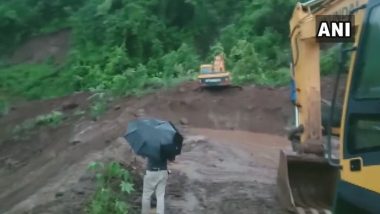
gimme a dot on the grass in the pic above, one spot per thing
(176, 81)
(99, 103)
(101, 98)
(53, 118)
(114, 186)
(32, 81)
(79, 113)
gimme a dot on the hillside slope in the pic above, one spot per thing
(34, 165)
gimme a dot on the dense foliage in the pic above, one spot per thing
(125, 46)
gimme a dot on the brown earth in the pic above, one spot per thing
(255, 109)
(54, 45)
(44, 171)
(228, 172)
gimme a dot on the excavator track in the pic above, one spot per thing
(218, 88)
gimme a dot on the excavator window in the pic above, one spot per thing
(368, 84)
(206, 71)
(364, 119)
(365, 134)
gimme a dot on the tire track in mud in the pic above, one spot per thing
(50, 170)
(220, 176)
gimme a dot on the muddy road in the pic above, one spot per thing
(224, 172)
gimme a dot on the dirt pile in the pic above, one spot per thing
(229, 172)
(256, 109)
(54, 46)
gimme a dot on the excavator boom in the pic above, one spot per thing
(307, 173)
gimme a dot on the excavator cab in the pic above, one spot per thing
(214, 75)
(206, 69)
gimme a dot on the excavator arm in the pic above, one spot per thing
(306, 64)
(307, 179)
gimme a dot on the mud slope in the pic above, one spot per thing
(228, 172)
(54, 45)
(252, 109)
(51, 160)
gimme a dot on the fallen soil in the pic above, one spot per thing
(228, 172)
(256, 109)
(53, 46)
(45, 170)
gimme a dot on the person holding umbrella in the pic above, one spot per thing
(159, 142)
(155, 180)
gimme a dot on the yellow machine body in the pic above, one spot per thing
(307, 180)
(212, 75)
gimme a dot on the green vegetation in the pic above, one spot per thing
(79, 113)
(33, 81)
(99, 104)
(53, 118)
(122, 47)
(329, 60)
(126, 46)
(114, 186)
(4, 107)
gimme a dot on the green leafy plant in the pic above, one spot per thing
(114, 186)
(79, 112)
(51, 119)
(247, 64)
(99, 102)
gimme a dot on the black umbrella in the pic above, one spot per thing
(173, 147)
(154, 138)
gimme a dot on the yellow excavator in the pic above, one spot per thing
(212, 75)
(311, 179)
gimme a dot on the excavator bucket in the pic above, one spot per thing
(306, 183)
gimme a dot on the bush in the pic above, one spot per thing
(99, 102)
(114, 185)
(32, 81)
(278, 77)
(330, 60)
(53, 118)
(247, 65)
(179, 63)
(128, 46)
